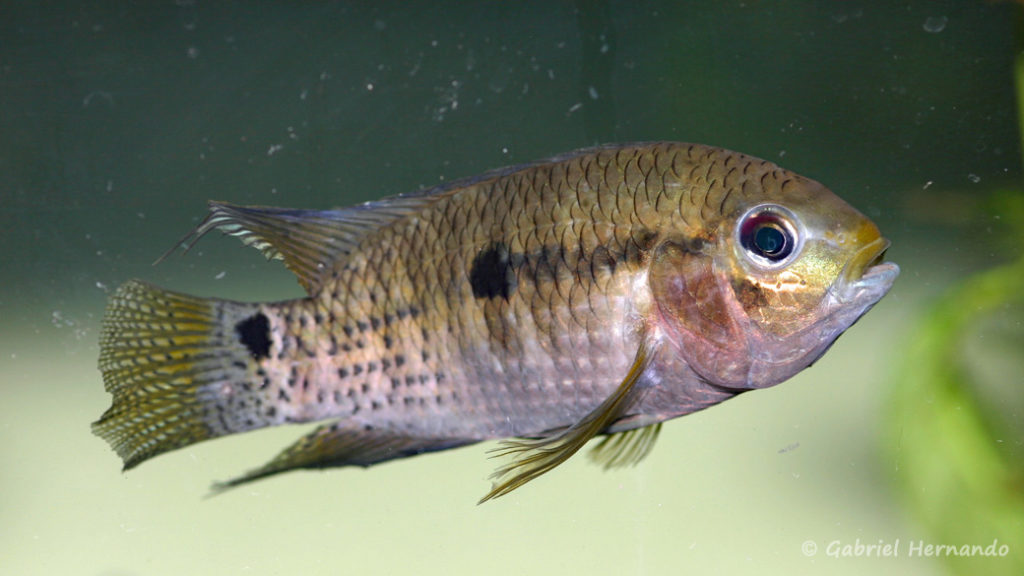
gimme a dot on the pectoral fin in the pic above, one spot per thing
(534, 457)
(335, 445)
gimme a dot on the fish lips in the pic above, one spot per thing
(866, 277)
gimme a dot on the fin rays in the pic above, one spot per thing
(335, 444)
(534, 457)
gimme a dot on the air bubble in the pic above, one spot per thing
(935, 24)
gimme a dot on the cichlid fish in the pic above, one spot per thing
(598, 293)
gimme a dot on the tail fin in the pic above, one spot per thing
(177, 369)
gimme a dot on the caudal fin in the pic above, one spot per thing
(177, 368)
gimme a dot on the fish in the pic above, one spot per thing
(595, 294)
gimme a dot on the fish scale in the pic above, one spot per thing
(596, 293)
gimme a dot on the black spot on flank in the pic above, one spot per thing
(362, 326)
(357, 369)
(602, 260)
(348, 330)
(388, 341)
(492, 274)
(371, 367)
(399, 360)
(375, 322)
(342, 373)
(254, 333)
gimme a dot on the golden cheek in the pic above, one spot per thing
(781, 304)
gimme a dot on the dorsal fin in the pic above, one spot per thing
(310, 242)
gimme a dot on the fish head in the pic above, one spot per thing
(776, 280)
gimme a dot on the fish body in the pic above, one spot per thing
(598, 293)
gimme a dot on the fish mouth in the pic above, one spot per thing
(867, 274)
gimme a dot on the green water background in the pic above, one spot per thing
(119, 120)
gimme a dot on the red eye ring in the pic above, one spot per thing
(767, 236)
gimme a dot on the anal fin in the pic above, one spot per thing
(534, 457)
(335, 445)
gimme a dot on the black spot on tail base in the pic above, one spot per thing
(493, 274)
(254, 333)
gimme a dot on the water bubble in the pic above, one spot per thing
(935, 24)
(974, 178)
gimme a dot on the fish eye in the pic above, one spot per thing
(768, 235)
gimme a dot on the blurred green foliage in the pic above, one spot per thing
(956, 425)
(957, 455)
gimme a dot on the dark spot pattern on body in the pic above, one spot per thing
(492, 274)
(254, 333)
(551, 262)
